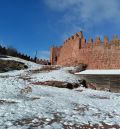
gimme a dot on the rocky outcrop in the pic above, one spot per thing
(58, 84)
(9, 65)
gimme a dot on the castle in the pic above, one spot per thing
(97, 54)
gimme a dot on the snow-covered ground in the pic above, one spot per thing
(100, 72)
(24, 105)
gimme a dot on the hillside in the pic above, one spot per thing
(27, 102)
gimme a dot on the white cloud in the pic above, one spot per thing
(92, 11)
(87, 8)
(43, 54)
(60, 5)
(84, 15)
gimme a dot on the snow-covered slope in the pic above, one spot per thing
(28, 63)
(24, 105)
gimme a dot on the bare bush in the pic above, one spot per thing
(26, 90)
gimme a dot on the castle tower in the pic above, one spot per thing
(54, 55)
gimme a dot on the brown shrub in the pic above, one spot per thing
(26, 90)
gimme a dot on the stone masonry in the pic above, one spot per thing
(97, 54)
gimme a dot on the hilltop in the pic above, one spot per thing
(26, 102)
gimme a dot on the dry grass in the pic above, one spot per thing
(81, 109)
(45, 69)
(7, 102)
(4, 76)
(9, 65)
(25, 78)
(58, 84)
(40, 122)
(26, 90)
(27, 121)
(79, 90)
(99, 97)
(96, 126)
(32, 98)
(78, 68)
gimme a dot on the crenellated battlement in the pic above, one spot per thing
(91, 43)
(96, 53)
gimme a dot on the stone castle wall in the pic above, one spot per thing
(97, 54)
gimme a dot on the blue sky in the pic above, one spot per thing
(31, 25)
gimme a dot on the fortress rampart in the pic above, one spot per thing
(97, 54)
